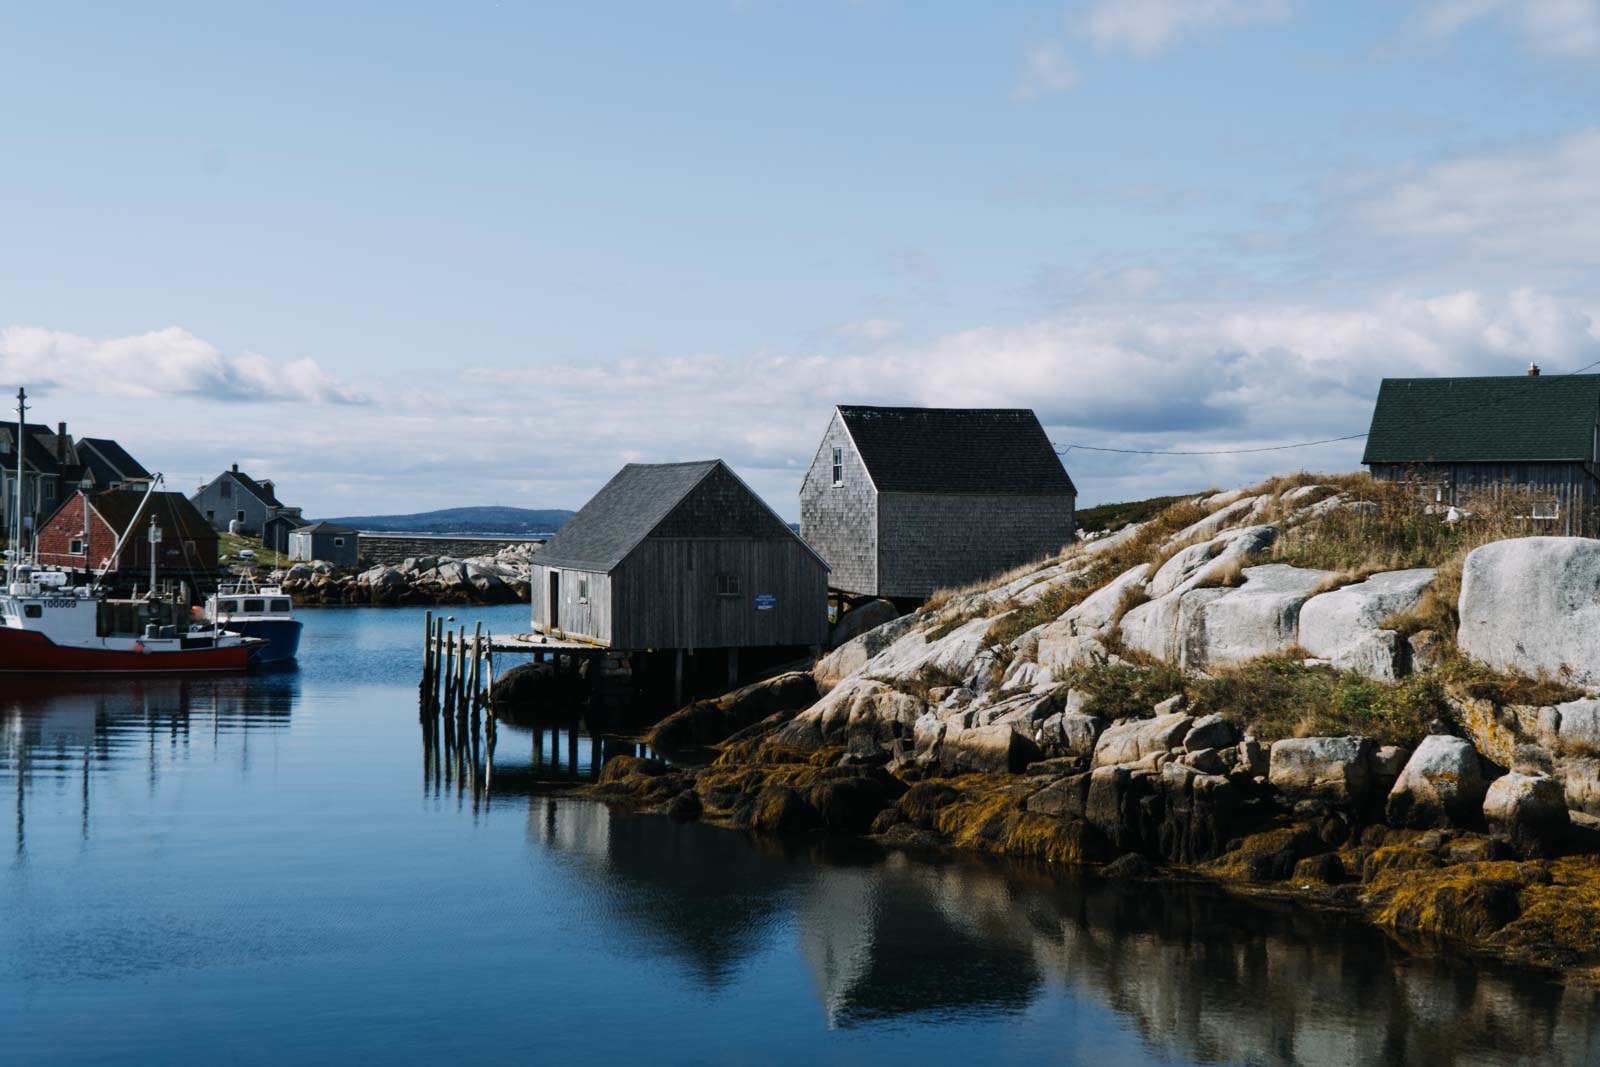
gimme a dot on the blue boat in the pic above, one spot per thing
(263, 611)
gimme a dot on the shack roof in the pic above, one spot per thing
(176, 516)
(108, 460)
(622, 514)
(1500, 419)
(256, 489)
(319, 527)
(956, 450)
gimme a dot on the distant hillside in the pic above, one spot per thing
(1116, 516)
(509, 522)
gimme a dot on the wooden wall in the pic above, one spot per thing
(933, 541)
(1571, 486)
(841, 522)
(588, 617)
(664, 594)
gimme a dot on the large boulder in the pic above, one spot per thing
(1529, 811)
(1199, 627)
(1532, 604)
(860, 619)
(999, 748)
(1131, 740)
(855, 653)
(1335, 771)
(859, 705)
(708, 722)
(1443, 785)
(1345, 626)
(1196, 564)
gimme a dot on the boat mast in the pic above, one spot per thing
(116, 550)
(16, 520)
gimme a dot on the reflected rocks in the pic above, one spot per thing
(1197, 974)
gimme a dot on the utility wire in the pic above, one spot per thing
(1060, 451)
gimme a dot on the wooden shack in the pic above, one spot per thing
(680, 556)
(1529, 440)
(902, 502)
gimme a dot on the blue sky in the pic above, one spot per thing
(405, 256)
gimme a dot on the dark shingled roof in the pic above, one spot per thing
(1511, 419)
(317, 527)
(956, 450)
(174, 514)
(255, 489)
(109, 460)
(622, 514)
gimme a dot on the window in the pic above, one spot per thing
(241, 515)
(211, 515)
(583, 590)
(75, 547)
(227, 606)
(254, 607)
(281, 607)
(338, 542)
(727, 585)
(838, 466)
(1547, 509)
(226, 492)
(33, 611)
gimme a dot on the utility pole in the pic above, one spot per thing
(155, 539)
(16, 520)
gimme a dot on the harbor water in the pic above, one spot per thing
(272, 869)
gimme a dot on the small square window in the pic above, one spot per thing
(75, 548)
(1548, 509)
(583, 590)
(338, 542)
(33, 611)
(838, 466)
(727, 585)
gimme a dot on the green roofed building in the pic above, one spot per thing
(1531, 439)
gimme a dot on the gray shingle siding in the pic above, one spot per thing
(841, 522)
(934, 541)
(220, 510)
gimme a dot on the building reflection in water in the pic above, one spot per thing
(1197, 974)
(59, 728)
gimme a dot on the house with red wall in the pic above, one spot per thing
(83, 532)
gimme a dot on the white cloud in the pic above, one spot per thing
(1046, 69)
(1149, 27)
(1569, 28)
(162, 363)
(1538, 205)
(1122, 374)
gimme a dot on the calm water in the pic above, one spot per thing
(263, 870)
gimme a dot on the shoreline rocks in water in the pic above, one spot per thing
(499, 579)
(1023, 721)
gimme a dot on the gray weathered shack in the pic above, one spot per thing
(1532, 441)
(904, 501)
(234, 496)
(680, 556)
(325, 541)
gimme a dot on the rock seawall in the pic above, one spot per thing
(499, 579)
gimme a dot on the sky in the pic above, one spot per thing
(405, 256)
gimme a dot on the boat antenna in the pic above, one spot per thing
(16, 520)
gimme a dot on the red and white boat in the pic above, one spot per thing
(49, 626)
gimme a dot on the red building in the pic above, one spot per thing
(187, 549)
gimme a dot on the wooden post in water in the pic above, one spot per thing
(427, 656)
(449, 642)
(461, 688)
(438, 664)
(477, 670)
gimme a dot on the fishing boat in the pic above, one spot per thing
(47, 625)
(260, 611)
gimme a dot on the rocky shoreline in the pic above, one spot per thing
(1029, 720)
(499, 579)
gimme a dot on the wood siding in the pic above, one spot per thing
(665, 594)
(588, 617)
(1571, 487)
(841, 522)
(932, 541)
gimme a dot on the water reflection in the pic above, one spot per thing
(54, 729)
(1198, 975)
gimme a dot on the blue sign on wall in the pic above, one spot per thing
(766, 601)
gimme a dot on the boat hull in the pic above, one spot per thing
(282, 637)
(29, 652)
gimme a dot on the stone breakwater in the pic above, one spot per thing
(956, 728)
(502, 578)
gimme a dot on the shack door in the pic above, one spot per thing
(555, 600)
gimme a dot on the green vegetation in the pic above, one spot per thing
(230, 545)
(1110, 517)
